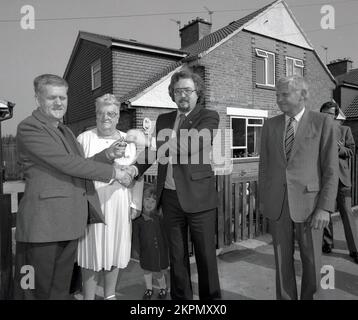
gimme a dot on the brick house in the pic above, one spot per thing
(101, 64)
(346, 92)
(240, 64)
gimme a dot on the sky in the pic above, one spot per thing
(26, 53)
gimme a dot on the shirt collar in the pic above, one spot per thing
(297, 117)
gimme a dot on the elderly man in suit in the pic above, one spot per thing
(59, 197)
(346, 150)
(186, 185)
(298, 179)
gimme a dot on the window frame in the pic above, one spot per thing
(264, 54)
(246, 142)
(96, 64)
(294, 64)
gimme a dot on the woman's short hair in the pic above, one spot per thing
(188, 74)
(107, 100)
(48, 79)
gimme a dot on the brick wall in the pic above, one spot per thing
(132, 68)
(231, 80)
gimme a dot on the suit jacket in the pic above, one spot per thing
(55, 204)
(345, 152)
(194, 178)
(310, 177)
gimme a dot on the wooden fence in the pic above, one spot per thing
(238, 217)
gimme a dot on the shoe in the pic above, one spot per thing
(147, 294)
(354, 255)
(162, 294)
(326, 248)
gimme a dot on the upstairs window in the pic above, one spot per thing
(294, 67)
(96, 74)
(265, 68)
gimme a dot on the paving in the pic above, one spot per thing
(247, 272)
(247, 269)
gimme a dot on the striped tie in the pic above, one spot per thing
(290, 137)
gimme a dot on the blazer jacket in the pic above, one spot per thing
(193, 174)
(310, 177)
(345, 152)
(55, 204)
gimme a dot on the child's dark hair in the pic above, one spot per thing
(149, 190)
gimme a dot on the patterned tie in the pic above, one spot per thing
(290, 137)
(181, 120)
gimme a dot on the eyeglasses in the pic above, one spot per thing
(109, 114)
(186, 91)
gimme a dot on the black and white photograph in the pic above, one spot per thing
(186, 153)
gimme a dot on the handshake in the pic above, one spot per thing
(125, 174)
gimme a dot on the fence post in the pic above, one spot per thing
(6, 277)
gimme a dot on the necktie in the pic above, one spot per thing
(69, 138)
(181, 120)
(290, 137)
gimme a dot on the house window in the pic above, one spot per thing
(265, 68)
(294, 66)
(96, 74)
(246, 136)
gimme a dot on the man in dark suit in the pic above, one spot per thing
(186, 185)
(298, 178)
(58, 200)
(346, 150)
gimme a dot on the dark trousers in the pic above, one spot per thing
(52, 264)
(284, 231)
(202, 230)
(344, 205)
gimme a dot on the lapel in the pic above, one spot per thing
(54, 132)
(280, 132)
(303, 130)
(169, 123)
(187, 124)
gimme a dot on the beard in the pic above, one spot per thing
(184, 105)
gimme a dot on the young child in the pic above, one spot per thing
(153, 248)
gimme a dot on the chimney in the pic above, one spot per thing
(340, 66)
(194, 31)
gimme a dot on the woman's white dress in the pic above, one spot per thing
(106, 245)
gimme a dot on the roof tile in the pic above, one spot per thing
(352, 109)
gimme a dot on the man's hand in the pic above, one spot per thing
(320, 219)
(131, 170)
(123, 177)
(137, 137)
(116, 150)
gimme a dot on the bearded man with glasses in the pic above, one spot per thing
(186, 185)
